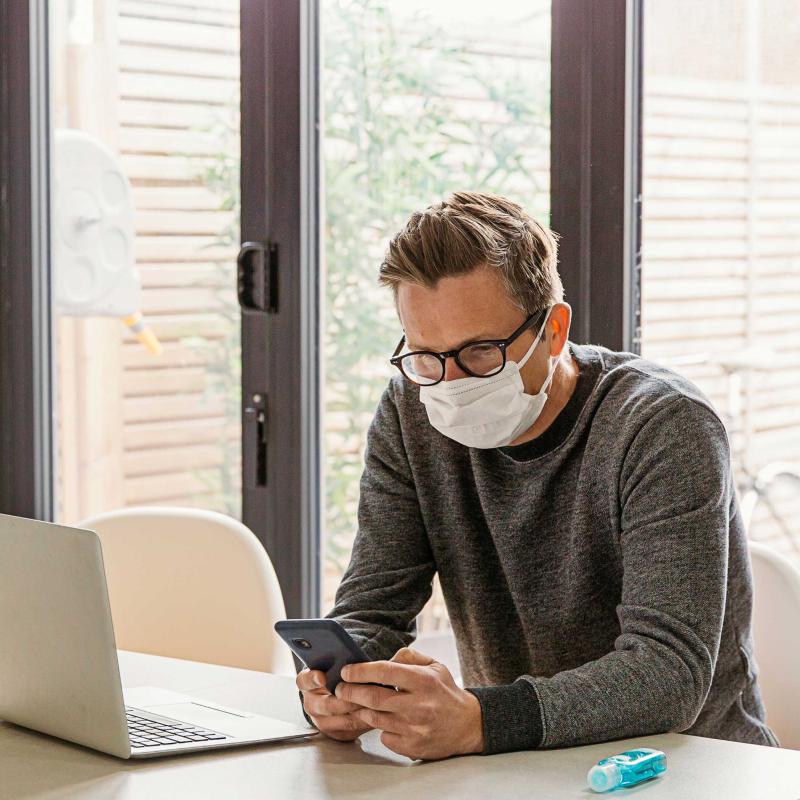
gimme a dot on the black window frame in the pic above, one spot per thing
(26, 460)
(280, 349)
(596, 166)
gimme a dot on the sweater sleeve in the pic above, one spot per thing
(389, 577)
(675, 498)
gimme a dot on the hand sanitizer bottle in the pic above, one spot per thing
(627, 769)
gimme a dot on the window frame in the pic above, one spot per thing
(280, 350)
(596, 166)
(26, 427)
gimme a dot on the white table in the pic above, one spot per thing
(36, 766)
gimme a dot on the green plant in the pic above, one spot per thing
(398, 135)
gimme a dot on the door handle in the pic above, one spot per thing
(257, 277)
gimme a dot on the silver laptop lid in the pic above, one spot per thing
(59, 672)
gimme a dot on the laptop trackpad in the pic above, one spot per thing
(204, 716)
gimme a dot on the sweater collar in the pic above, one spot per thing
(589, 368)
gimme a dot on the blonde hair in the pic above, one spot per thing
(469, 230)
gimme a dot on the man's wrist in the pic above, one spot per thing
(473, 743)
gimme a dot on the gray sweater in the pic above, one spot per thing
(596, 577)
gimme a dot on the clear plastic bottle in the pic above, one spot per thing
(627, 769)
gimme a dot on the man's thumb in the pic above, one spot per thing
(405, 655)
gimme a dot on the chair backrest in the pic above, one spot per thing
(776, 636)
(192, 584)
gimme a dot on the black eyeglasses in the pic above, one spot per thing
(481, 359)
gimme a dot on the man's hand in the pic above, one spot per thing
(428, 717)
(330, 714)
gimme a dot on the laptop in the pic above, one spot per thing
(59, 672)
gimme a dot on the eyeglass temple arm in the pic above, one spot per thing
(399, 346)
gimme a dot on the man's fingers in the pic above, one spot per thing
(344, 727)
(405, 655)
(396, 743)
(309, 679)
(379, 719)
(375, 697)
(326, 705)
(344, 736)
(403, 676)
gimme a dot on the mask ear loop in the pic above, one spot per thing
(524, 360)
(550, 374)
(551, 371)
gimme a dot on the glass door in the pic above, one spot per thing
(417, 100)
(347, 115)
(145, 230)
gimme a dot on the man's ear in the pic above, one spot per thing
(560, 318)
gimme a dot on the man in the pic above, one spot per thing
(577, 504)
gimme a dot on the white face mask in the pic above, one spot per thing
(487, 412)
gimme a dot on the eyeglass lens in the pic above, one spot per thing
(479, 359)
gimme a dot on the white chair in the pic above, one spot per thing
(776, 636)
(192, 584)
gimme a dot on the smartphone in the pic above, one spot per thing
(321, 644)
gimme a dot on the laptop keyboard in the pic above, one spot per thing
(147, 732)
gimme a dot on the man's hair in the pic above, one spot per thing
(469, 230)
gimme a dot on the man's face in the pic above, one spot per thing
(464, 309)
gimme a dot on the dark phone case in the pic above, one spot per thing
(331, 646)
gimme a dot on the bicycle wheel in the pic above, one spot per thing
(775, 518)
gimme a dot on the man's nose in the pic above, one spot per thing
(452, 371)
